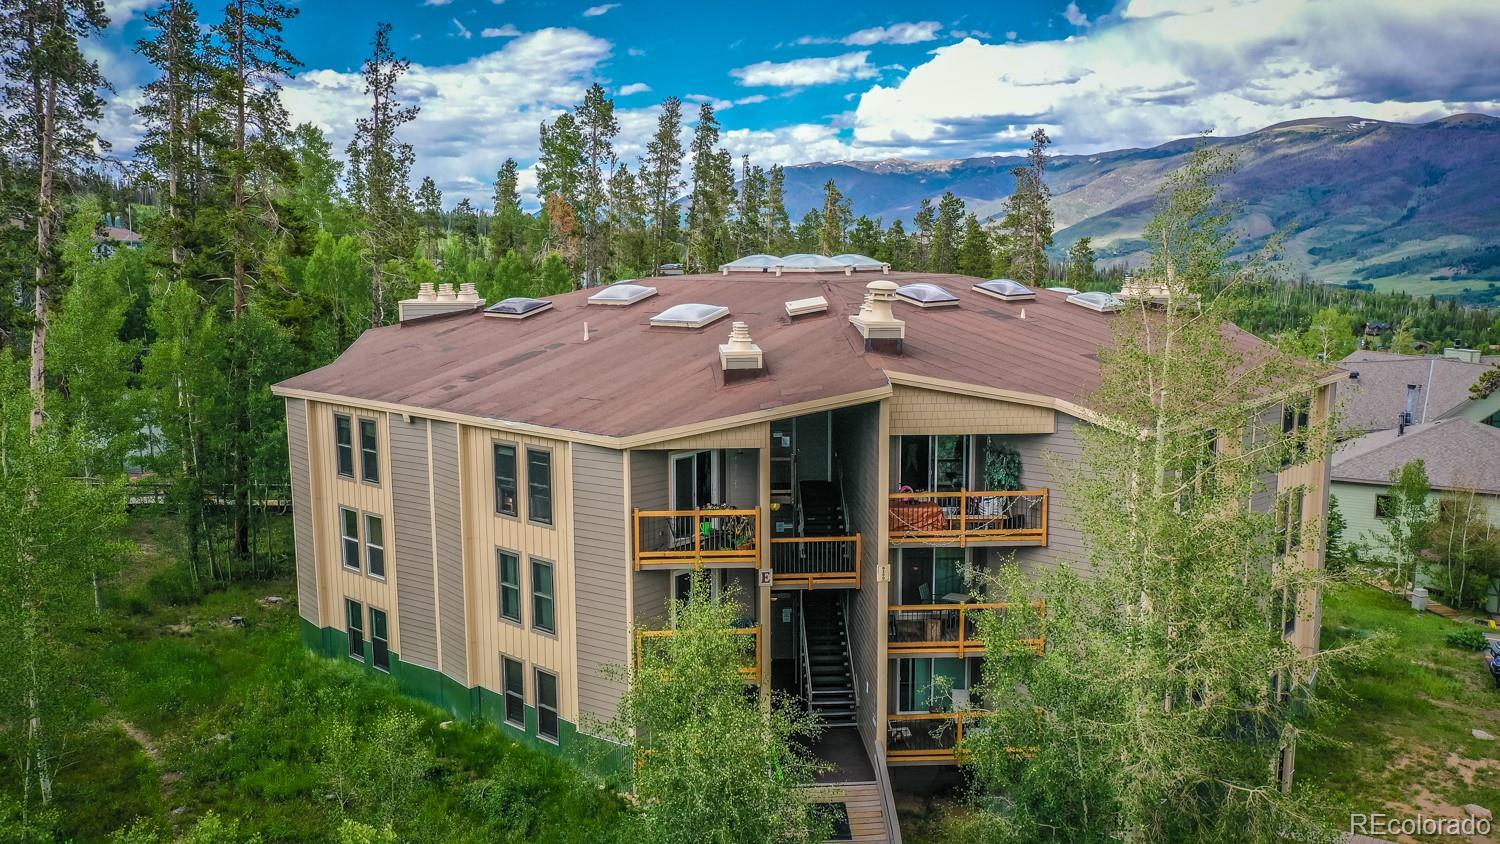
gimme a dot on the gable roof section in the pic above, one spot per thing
(629, 378)
(1377, 398)
(1458, 453)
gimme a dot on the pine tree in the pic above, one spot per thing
(466, 228)
(837, 217)
(709, 240)
(922, 229)
(1081, 273)
(751, 218)
(168, 143)
(865, 237)
(974, 254)
(778, 222)
(314, 192)
(661, 181)
(808, 232)
(896, 247)
(430, 213)
(598, 126)
(553, 278)
(380, 167)
(507, 227)
(947, 234)
(559, 176)
(1028, 217)
(629, 247)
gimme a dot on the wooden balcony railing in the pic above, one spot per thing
(751, 658)
(813, 561)
(944, 628)
(927, 736)
(687, 538)
(963, 517)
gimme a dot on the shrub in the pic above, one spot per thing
(1469, 638)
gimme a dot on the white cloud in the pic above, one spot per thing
(1075, 15)
(507, 31)
(896, 33)
(751, 100)
(635, 51)
(436, 2)
(700, 99)
(812, 71)
(121, 11)
(596, 11)
(463, 31)
(1160, 69)
(634, 88)
(1010, 35)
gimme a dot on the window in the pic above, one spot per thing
(539, 485)
(343, 444)
(349, 525)
(546, 705)
(514, 676)
(934, 463)
(508, 568)
(1289, 519)
(927, 682)
(374, 546)
(1385, 506)
(354, 614)
(542, 611)
(369, 457)
(1294, 422)
(380, 645)
(505, 479)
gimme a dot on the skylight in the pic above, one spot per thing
(925, 295)
(807, 262)
(1097, 301)
(751, 263)
(689, 315)
(517, 307)
(1006, 289)
(1068, 290)
(622, 293)
(862, 262)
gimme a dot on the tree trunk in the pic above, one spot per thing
(377, 296)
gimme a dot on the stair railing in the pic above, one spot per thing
(849, 651)
(806, 679)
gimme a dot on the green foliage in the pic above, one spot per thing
(1486, 384)
(1461, 552)
(379, 775)
(1027, 224)
(1081, 273)
(553, 278)
(1468, 638)
(1408, 519)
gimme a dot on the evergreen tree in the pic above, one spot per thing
(709, 238)
(923, 223)
(169, 145)
(430, 213)
(865, 238)
(808, 232)
(334, 276)
(661, 181)
(1028, 215)
(837, 217)
(598, 126)
(554, 277)
(947, 234)
(466, 228)
(511, 278)
(380, 167)
(314, 192)
(559, 173)
(1081, 264)
(751, 219)
(629, 246)
(974, 254)
(778, 222)
(507, 228)
(896, 247)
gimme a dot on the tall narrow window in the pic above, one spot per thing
(515, 691)
(369, 455)
(380, 645)
(343, 444)
(374, 545)
(354, 614)
(542, 607)
(508, 570)
(539, 485)
(505, 479)
(546, 705)
(349, 527)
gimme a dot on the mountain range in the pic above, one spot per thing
(1396, 205)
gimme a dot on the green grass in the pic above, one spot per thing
(1399, 739)
(235, 717)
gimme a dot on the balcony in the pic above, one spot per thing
(813, 561)
(931, 737)
(946, 629)
(750, 658)
(1014, 516)
(692, 538)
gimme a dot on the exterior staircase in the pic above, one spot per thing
(822, 506)
(831, 693)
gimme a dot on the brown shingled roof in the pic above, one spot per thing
(1458, 453)
(630, 378)
(1377, 398)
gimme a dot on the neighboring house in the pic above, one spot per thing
(1460, 454)
(488, 503)
(109, 238)
(1386, 389)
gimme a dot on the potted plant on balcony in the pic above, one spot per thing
(1002, 472)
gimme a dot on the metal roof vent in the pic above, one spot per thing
(1102, 302)
(925, 295)
(811, 305)
(862, 263)
(442, 300)
(740, 353)
(1005, 289)
(875, 319)
(622, 293)
(517, 307)
(689, 315)
(751, 264)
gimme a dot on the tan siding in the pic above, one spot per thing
(914, 410)
(601, 560)
(411, 501)
(484, 531)
(452, 609)
(330, 493)
(304, 538)
(745, 436)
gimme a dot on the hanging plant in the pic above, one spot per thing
(1002, 468)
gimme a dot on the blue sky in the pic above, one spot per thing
(817, 81)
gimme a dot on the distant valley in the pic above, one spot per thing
(1399, 206)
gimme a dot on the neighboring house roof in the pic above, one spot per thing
(629, 378)
(1377, 398)
(1458, 453)
(118, 234)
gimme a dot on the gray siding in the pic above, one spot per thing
(416, 599)
(1264, 427)
(648, 491)
(1046, 460)
(856, 435)
(600, 562)
(447, 515)
(302, 523)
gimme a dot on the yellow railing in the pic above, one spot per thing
(750, 671)
(965, 516)
(944, 628)
(934, 736)
(813, 561)
(686, 538)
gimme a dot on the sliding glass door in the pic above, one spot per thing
(934, 463)
(932, 575)
(695, 479)
(926, 684)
